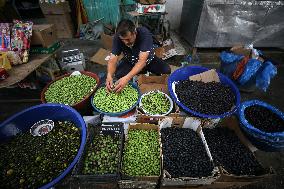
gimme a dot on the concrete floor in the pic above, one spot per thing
(273, 96)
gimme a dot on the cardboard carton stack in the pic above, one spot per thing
(102, 55)
(59, 15)
(44, 35)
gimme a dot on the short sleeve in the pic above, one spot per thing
(116, 46)
(146, 40)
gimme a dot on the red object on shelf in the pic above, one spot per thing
(3, 74)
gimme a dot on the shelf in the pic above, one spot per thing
(19, 72)
(30, 8)
(135, 14)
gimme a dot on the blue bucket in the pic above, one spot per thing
(185, 72)
(117, 113)
(22, 121)
(276, 139)
(263, 144)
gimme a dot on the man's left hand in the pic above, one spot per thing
(121, 83)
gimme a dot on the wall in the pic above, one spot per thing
(174, 9)
(109, 9)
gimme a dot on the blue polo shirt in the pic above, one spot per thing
(143, 43)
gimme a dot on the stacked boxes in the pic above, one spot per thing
(59, 15)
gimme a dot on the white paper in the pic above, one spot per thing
(107, 58)
(166, 122)
(75, 73)
(192, 123)
(174, 89)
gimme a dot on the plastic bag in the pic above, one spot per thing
(267, 72)
(229, 62)
(5, 40)
(4, 61)
(273, 138)
(21, 36)
(250, 71)
(14, 58)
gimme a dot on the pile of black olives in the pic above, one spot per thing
(212, 98)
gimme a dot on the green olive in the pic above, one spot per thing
(115, 102)
(70, 90)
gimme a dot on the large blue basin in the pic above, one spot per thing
(262, 140)
(184, 73)
(22, 121)
(117, 113)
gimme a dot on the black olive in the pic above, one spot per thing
(264, 119)
(30, 162)
(208, 98)
(184, 153)
(228, 151)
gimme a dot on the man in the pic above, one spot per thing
(137, 46)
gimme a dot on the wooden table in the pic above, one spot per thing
(19, 72)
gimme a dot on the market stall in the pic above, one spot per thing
(190, 128)
(172, 143)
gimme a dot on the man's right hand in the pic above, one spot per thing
(109, 83)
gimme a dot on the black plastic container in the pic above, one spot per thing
(112, 129)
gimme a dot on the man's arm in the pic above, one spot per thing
(143, 56)
(111, 67)
(122, 82)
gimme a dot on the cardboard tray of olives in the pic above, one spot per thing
(249, 169)
(100, 162)
(200, 154)
(142, 181)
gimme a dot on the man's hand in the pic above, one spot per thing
(121, 83)
(109, 83)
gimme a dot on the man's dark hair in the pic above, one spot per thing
(125, 26)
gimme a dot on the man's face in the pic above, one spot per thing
(128, 39)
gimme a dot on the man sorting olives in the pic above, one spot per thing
(136, 44)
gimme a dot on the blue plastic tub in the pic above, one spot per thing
(118, 113)
(22, 121)
(262, 140)
(264, 145)
(184, 73)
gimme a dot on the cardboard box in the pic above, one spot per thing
(4, 61)
(174, 68)
(159, 52)
(233, 124)
(149, 182)
(44, 35)
(173, 118)
(102, 56)
(214, 185)
(106, 41)
(59, 8)
(208, 76)
(150, 83)
(63, 25)
(165, 51)
(239, 49)
(176, 120)
(166, 180)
